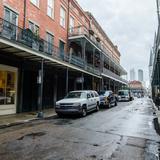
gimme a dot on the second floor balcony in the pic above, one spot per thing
(81, 31)
(113, 76)
(27, 39)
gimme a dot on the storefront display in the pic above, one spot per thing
(8, 85)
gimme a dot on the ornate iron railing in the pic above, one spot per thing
(111, 74)
(27, 38)
(82, 30)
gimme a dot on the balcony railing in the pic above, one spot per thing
(82, 30)
(111, 74)
(27, 38)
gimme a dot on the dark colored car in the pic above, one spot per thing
(125, 95)
(107, 98)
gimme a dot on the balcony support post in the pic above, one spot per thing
(40, 90)
(94, 50)
(102, 83)
(114, 86)
(101, 62)
(67, 80)
(92, 83)
(83, 44)
(55, 89)
(158, 75)
(109, 84)
(82, 81)
(109, 64)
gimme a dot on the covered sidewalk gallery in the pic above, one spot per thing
(31, 80)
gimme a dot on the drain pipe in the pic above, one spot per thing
(24, 14)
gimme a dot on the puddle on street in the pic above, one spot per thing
(63, 122)
(32, 135)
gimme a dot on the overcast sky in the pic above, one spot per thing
(131, 25)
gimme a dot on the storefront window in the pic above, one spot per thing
(7, 87)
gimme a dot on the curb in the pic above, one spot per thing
(156, 120)
(26, 121)
(156, 125)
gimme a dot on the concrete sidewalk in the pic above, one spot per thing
(20, 118)
(157, 115)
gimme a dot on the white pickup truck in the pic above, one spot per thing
(78, 102)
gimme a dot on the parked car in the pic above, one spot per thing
(107, 98)
(125, 95)
(131, 96)
(78, 102)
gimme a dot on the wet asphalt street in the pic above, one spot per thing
(125, 132)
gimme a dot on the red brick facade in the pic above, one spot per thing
(38, 15)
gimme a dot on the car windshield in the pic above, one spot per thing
(104, 93)
(76, 95)
(122, 93)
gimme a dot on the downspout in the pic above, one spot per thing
(24, 14)
(68, 25)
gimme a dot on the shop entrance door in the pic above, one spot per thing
(8, 89)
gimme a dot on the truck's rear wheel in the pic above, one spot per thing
(84, 112)
(97, 107)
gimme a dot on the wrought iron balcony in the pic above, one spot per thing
(83, 31)
(26, 38)
(114, 76)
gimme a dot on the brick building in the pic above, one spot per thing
(48, 48)
(136, 87)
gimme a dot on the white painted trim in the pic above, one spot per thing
(38, 6)
(62, 40)
(47, 31)
(9, 7)
(45, 57)
(34, 22)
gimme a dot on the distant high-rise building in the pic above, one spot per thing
(140, 75)
(132, 74)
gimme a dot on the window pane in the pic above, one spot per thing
(50, 3)
(10, 88)
(7, 15)
(50, 39)
(50, 8)
(62, 17)
(14, 18)
(71, 27)
(31, 26)
(35, 2)
(49, 11)
(36, 30)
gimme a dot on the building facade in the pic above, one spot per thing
(140, 75)
(132, 75)
(48, 48)
(136, 88)
(154, 62)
